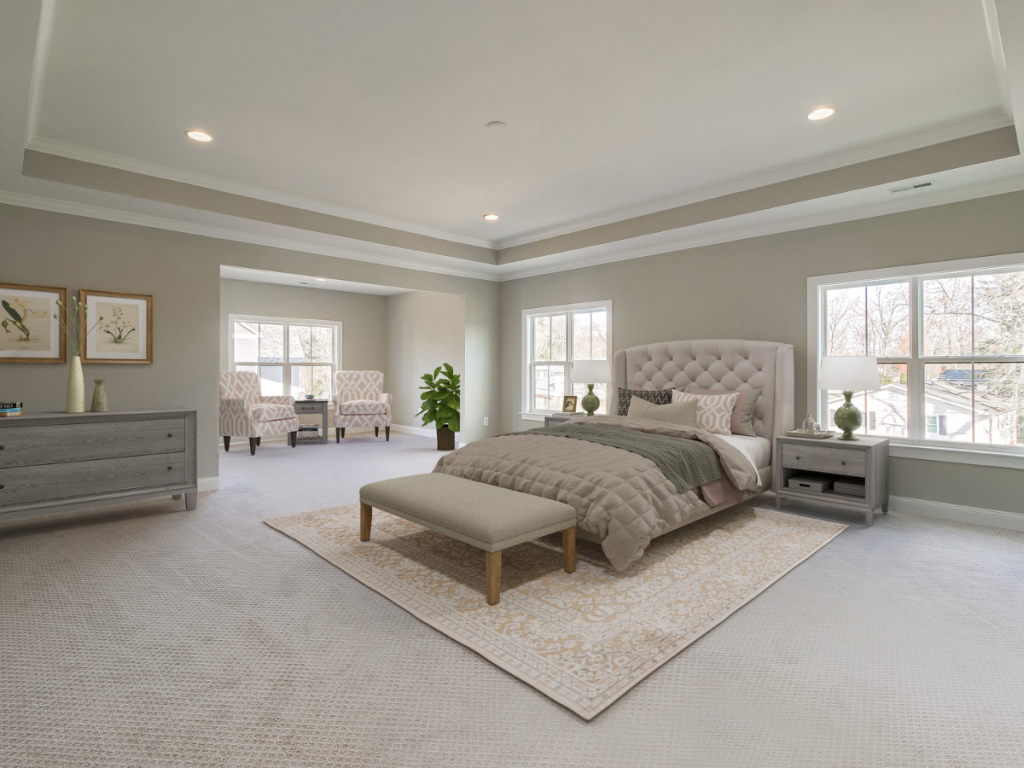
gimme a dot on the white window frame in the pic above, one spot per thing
(286, 365)
(528, 412)
(916, 446)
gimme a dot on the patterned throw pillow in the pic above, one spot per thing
(656, 396)
(714, 412)
(742, 412)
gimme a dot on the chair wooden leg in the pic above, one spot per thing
(387, 433)
(258, 441)
(293, 439)
(342, 433)
(493, 574)
(337, 434)
(365, 519)
(569, 549)
(252, 446)
(376, 431)
(227, 443)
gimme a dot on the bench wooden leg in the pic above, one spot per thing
(569, 549)
(493, 577)
(365, 517)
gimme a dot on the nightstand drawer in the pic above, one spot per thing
(840, 461)
(305, 408)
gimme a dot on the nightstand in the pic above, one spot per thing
(833, 459)
(554, 419)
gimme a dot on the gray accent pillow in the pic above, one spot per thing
(657, 396)
(684, 414)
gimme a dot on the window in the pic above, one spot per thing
(950, 349)
(293, 357)
(555, 337)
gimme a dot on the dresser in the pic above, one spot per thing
(864, 461)
(54, 462)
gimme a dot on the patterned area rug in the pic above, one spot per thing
(586, 638)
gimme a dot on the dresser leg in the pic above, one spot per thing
(869, 517)
(190, 500)
(778, 501)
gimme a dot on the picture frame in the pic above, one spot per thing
(125, 334)
(569, 403)
(29, 332)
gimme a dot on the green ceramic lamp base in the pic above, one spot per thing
(848, 417)
(590, 401)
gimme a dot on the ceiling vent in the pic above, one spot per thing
(911, 187)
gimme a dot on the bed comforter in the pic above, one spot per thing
(620, 496)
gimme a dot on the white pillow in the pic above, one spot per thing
(714, 412)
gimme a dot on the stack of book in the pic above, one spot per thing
(10, 409)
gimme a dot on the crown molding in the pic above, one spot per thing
(482, 272)
(145, 168)
(859, 154)
(43, 35)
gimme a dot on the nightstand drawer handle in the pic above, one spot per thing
(170, 434)
(169, 469)
(798, 458)
(1, 486)
(843, 463)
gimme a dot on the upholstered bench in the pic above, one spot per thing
(482, 515)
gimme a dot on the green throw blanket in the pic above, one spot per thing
(686, 463)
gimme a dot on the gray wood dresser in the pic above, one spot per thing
(866, 458)
(54, 462)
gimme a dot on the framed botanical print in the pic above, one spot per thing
(120, 327)
(30, 324)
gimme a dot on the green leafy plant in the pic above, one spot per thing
(441, 398)
(76, 326)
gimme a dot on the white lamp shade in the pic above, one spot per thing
(854, 373)
(591, 372)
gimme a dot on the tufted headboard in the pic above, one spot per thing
(725, 364)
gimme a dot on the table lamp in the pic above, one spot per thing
(591, 372)
(850, 374)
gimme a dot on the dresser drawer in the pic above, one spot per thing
(839, 461)
(24, 485)
(60, 443)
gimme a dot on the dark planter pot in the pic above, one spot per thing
(445, 439)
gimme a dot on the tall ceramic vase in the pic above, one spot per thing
(76, 386)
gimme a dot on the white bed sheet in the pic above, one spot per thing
(756, 450)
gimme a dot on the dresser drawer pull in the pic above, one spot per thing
(843, 463)
(170, 434)
(169, 469)
(1, 486)
(798, 458)
(1, 447)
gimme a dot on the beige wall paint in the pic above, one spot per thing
(424, 331)
(757, 289)
(183, 273)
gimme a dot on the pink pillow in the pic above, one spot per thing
(742, 412)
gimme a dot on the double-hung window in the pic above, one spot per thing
(555, 337)
(949, 339)
(292, 357)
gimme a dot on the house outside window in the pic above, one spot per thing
(950, 346)
(555, 337)
(292, 357)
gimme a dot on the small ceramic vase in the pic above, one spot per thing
(99, 397)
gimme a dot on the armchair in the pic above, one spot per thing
(359, 401)
(244, 412)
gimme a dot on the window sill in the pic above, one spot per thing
(957, 455)
(533, 416)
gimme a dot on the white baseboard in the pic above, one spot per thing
(208, 484)
(994, 518)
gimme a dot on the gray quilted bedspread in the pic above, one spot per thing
(686, 463)
(619, 495)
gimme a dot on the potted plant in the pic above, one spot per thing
(441, 403)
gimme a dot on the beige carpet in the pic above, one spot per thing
(582, 639)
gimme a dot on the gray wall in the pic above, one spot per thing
(363, 317)
(183, 274)
(757, 289)
(424, 330)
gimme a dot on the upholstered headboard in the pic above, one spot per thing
(724, 364)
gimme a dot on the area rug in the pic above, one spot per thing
(585, 638)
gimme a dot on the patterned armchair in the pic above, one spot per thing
(244, 412)
(359, 401)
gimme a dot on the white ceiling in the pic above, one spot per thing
(376, 110)
(306, 281)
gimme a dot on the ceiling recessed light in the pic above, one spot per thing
(821, 113)
(491, 216)
(496, 125)
(199, 136)
(321, 279)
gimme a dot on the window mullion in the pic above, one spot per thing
(915, 370)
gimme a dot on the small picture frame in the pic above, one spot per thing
(569, 404)
(125, 334)
(29, 332)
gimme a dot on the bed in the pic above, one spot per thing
(622, 499)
